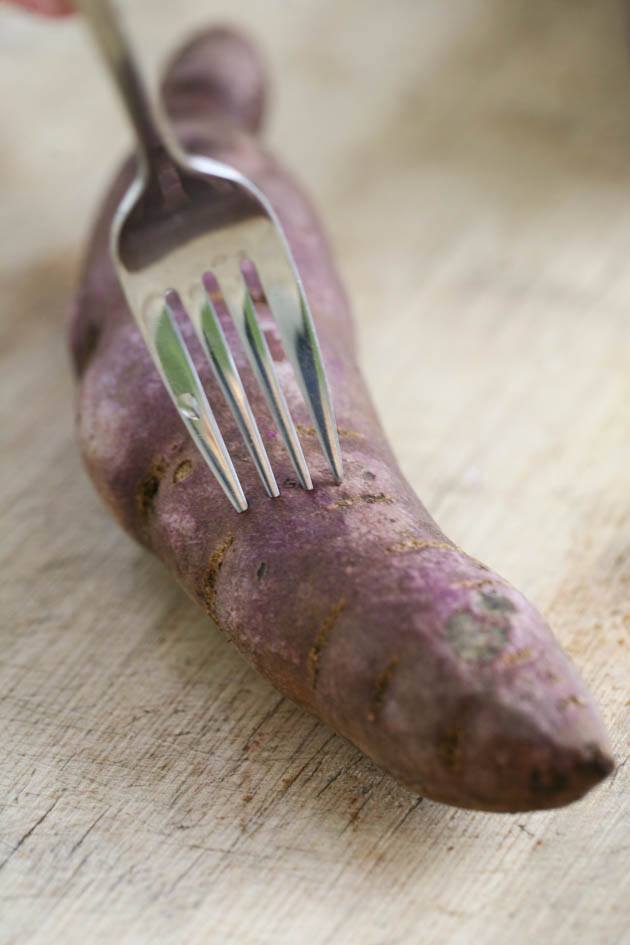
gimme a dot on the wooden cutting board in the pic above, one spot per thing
(472, 161)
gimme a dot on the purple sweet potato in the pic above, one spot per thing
(349, 599)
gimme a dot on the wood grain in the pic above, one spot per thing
(473, 163)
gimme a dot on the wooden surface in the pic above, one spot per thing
(472, 161)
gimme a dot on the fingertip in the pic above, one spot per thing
(54, 8)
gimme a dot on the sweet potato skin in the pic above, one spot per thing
(349, 599)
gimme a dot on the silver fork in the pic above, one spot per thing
(187, 227)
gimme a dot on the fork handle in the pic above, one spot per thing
(117, 54)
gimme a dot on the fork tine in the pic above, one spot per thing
(287, 301)
(209, 329)
(178, 373)
(268, 378)
(243, 311)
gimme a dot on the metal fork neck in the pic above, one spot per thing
(116, 52)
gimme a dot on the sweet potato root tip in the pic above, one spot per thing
(593, 770)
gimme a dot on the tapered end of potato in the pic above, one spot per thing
(531, 737)
(501, 773)
(476, 703)
(219, 74)
(532, 769)
(570, 774)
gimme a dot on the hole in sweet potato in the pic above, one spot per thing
(149, 487)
